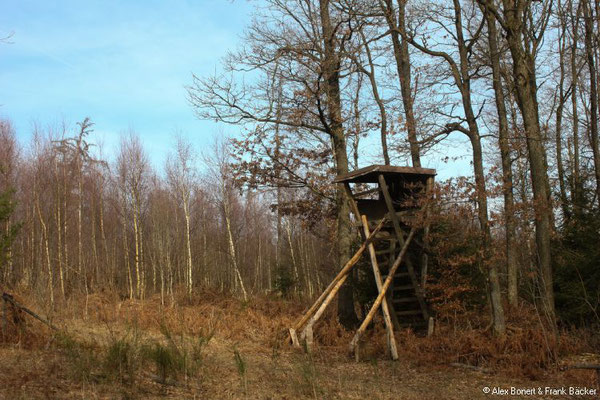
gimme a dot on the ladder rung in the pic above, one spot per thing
(380, 252)
(405, 300)
(383, 236)
(401, 274)
(409, 312)
(396, 275)
(403, 287)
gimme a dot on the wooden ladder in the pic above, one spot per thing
(408, 305)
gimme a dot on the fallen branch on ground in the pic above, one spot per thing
(10, 299)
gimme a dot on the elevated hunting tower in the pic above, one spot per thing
(388, 203)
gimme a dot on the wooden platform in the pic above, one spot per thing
(371, 174)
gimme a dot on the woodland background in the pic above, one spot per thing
(317, 88)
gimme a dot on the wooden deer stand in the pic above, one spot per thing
(385, 206)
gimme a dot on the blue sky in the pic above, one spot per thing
(122, 63)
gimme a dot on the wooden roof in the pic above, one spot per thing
(370, 174)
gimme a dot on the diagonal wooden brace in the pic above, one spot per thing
(381, 296)
(325, 298)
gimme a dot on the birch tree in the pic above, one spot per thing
(132, 171)
(182, 177)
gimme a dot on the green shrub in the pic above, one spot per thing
(177, 355)
(122, 360)
(309, 383)
(81, 358)
(167, 362)
(241, 365)
(284, 280)
(576, 256)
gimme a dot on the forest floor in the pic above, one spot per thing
(214, 348)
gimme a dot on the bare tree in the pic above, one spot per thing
(397, 27)
(9, 163)
(524, 24)
(300, 43)
(132, 171)
(505, 155)
(590, 46)
(224, 196)
(182, 177)
(462, 76)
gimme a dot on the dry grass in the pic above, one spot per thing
(214, 346)
(528, 350)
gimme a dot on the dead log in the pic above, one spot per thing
(10, 299)
(584, 366)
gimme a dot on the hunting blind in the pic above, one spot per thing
(388, 204)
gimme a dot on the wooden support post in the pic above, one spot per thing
(294, 337)
(391, 257)
(400, 236)
(307, 333)
(356, 212)
(333, 287)
(425, 256)
(381, 296)
(430, 327)
(352, 202)
(384, 305)
(307, 336)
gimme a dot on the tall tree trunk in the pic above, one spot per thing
(378, 100)
(230, 242)
(82, 274)
(331, 69)
(588, 16)
(188, 245)
(138, 276)
(126, 254)
(564, 203)
(463, 81)
(94, 244)
(65, 225)
(59, 235)
(507, 179)
(559, 115)
(576, 189)
(403, 67)
(280, 198)
(288, 230)
(526, 88)
(162, 274)
(47, 253)
(205, 250)
(111, 270)
(141, 254)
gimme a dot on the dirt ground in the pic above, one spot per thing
(241, 361)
